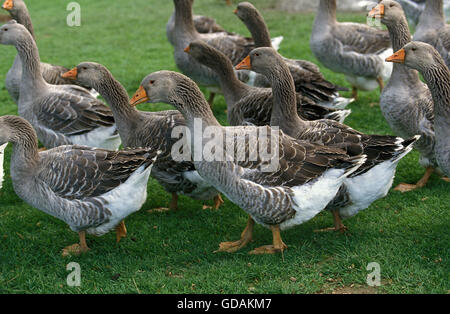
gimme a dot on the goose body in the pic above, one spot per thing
(60, 114)
(249, 105)
(148, 129)
(300, 183)
(433, 29)
(51, 73)
(406, 102)
(87, 188)
(355, 50)
(373, 179)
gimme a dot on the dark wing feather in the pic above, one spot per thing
(72, 114)
(76, 172)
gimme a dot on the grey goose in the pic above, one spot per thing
(60, 114)
(373, 179)
(427, 60)
(303, 178)
(51, 73)
(87, 188)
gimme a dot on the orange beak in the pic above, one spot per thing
(398, 57)
(187, 49)
(235, 11)
(377, 11)
(139, 97)
(245, 64)
(8, 5)
(72, 74)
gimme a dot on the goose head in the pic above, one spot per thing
(388, 11)
(203, 53)
(156, 87)
(246, 11)
(13, 128)
(261, 60)
(14, 7)
(416, 55)
(12, 32)
(87, 73)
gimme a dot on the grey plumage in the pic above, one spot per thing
(427, 60)
(432, 29)
(349, 48)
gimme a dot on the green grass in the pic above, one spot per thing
(407, 234)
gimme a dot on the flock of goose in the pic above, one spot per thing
(84, 179)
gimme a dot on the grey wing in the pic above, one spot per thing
(205, 24)
(78, 172)
(71, 114)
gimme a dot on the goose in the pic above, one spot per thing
(278, 190)
(232, 45)
(248, 104)
(356, 50)
(51, 73)
(2, 157)
(87, 188)
(427, 60)
(406, 102)
(148, 129)
(432, 29)
(60, 114)
(360, 189)
(307, 76)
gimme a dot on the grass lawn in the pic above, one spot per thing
(407, 234)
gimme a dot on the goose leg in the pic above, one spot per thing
(211, 99)
(217, 202)
(173, 205)
(42, 149)
(277, 246)
(77, 249)
(338, 225)
(354, 92)
(121, 231)
(405, 187)
(246, 237)
(380, 83)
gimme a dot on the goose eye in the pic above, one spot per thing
(151, 82)
(5, 29)
(256, 54)
(413, 49)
